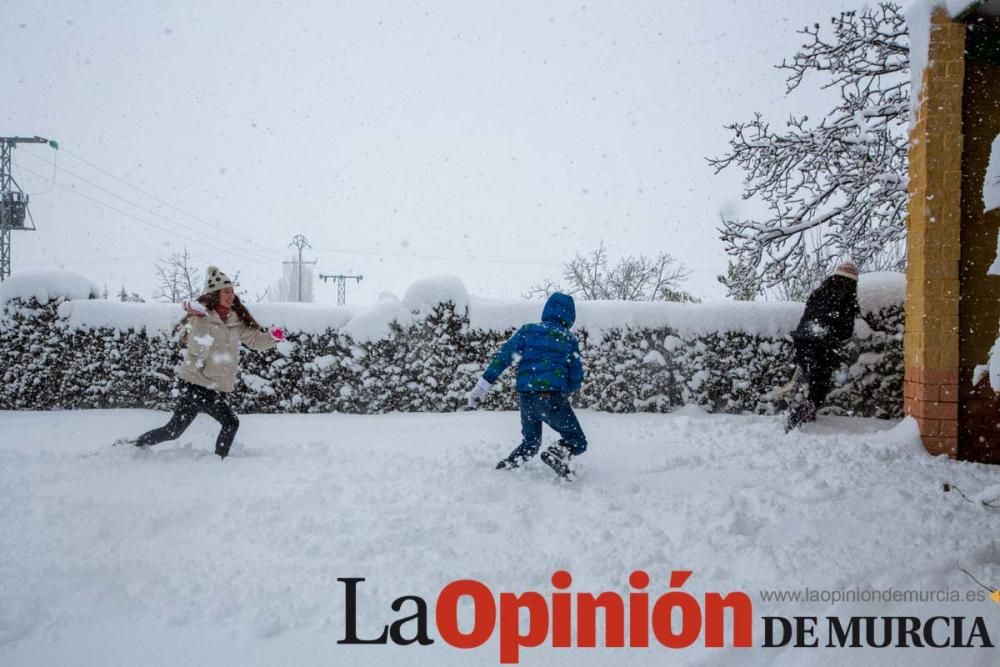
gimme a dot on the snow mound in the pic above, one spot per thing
(47, 286)
(773, 319)
(302, 317)
(904, 434)
(988, 495)
(881, 289)
(429, 292)
(689, 410)
(100, 313)
(374, 323)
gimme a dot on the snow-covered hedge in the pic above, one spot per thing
(423, 354)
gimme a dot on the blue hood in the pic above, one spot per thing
(560, 309)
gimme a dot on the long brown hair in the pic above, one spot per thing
(211, 302)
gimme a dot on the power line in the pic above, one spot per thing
(197, 241)
(269, 252)
(414, 255)
(152, 212)
(89, 260)
(55, 168)
(155, 198)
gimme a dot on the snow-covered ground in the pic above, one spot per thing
(169, 557)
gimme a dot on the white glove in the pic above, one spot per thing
(479, 392)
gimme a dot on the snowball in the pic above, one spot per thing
(47, 286)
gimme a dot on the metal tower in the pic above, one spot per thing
(341, 285)
(300, 242)
(14, 212)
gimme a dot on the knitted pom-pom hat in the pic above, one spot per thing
(848, 270)
(215, 280)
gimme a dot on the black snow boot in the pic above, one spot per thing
(557, 457)
(511, 462)
(803, 413)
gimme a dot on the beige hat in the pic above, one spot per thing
(848, 270)
(215, 280)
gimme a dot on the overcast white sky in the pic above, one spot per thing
(489, 140)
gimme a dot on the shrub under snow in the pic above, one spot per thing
(424, 353)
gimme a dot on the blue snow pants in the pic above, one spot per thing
(551, 408)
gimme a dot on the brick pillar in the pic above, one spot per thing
(931, 341)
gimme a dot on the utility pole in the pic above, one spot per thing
(300, 242)
(341, 285)
(14, 211)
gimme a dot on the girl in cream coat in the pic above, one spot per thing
(213, 334)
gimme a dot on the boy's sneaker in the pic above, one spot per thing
(558, 457)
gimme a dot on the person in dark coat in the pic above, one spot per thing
(826, 324)
(549, 369)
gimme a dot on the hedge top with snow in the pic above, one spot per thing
(82, 309)
(45, 286)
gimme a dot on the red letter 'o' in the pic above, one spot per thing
(446, 613)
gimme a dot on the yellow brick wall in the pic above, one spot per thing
(934, 248)
(934, 220)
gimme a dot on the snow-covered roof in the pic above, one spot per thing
(764, 318)
(47, 286)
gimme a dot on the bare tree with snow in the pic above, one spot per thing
(836, 187)
(177, 279)
(632, 278)
(129, 297)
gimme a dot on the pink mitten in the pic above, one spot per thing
(278, 334)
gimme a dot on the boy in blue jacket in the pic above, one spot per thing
(548, 371)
